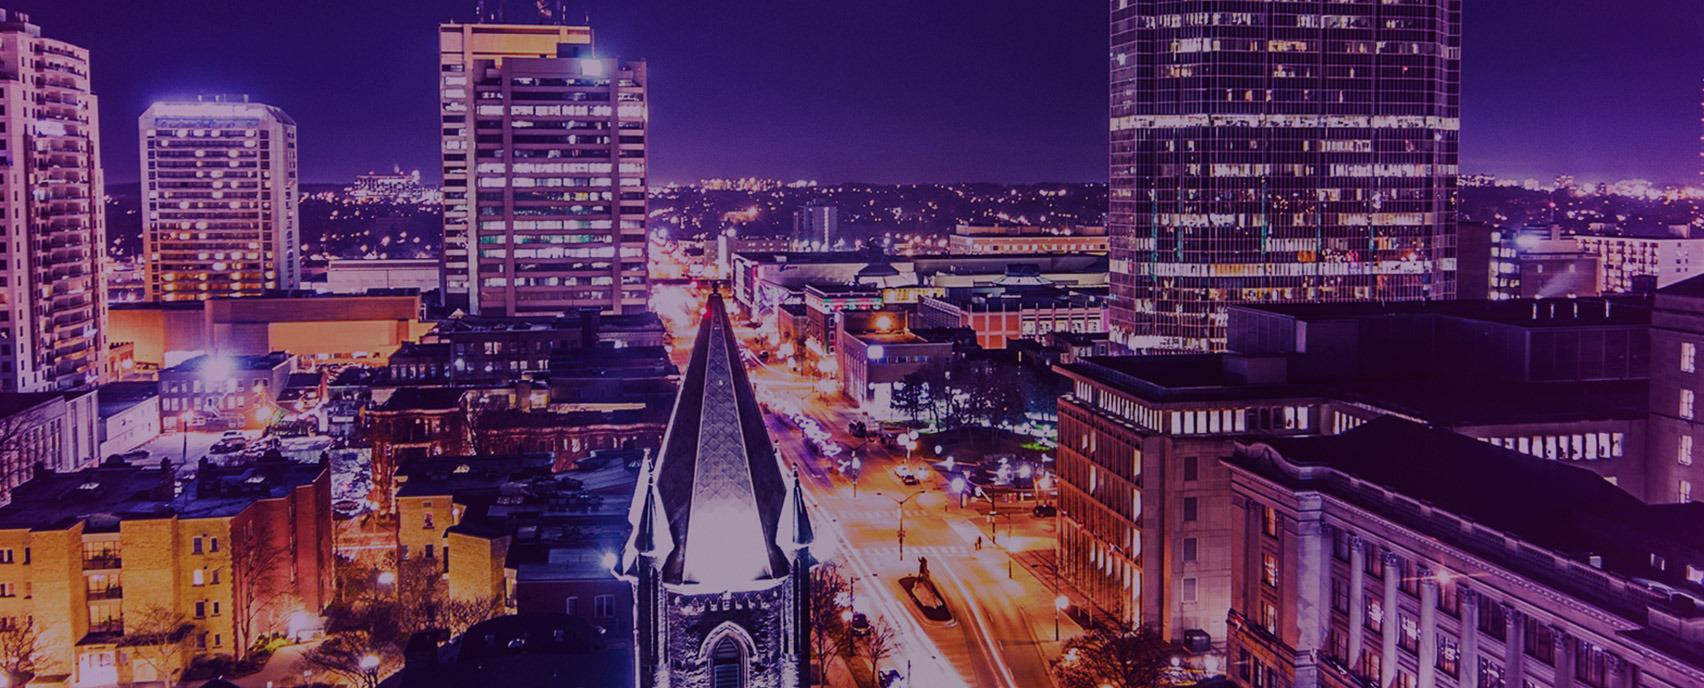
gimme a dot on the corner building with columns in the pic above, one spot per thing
(1402, 556)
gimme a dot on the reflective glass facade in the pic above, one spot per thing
(1269, 150)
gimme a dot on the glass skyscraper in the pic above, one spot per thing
(1278, 150)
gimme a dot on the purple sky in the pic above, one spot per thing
(875, 90)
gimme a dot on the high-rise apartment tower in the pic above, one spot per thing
(52, 226)
(221, 193)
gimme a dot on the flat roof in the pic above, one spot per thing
(1558, 507)
(1579, 312)
(1185, 377)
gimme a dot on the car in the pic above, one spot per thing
(233, 435)
(860, 624)
(909, 480)
(227, 447)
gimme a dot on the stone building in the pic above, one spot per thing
(1399, 555)
(719, 558)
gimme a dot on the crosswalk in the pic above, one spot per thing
(889, 552)
(876, 515)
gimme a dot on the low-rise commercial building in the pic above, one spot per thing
(1001, 314)
(1399, 555)
(321, 329)
(1016, 239)
(128, 580)
(55, 430)
(356, 277)
(223, 392)
(876, 350)
(129, 415)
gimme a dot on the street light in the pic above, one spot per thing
(901, 503)
(1060, 604)
(370, 671)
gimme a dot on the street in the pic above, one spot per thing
(1002, 631)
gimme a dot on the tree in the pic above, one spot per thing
(23, 444)
(880, 644)
(352, 657)
(910, 397)
(828, 590)
(1118, 656)
(260, 583)
(159, 637)
(20, 650)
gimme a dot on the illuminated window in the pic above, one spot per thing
(1687, 400)
(1688, 357)
(1684, 454)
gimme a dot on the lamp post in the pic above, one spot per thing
(901, 504)
(1060, 603)
(370, 671)
(857, 467)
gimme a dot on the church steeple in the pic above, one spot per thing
(719, 555)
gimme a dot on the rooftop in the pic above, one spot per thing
(114, 491)
(1563, 509)
(115, 397)
(1610, 310)
(423, 399)
(215, 364)
(13, 403)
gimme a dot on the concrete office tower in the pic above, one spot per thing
(544, 172)
(1271, 152)
(220, 182)
(52, 228)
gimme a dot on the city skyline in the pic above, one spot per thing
(1583, 92)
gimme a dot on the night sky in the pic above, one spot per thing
(873, 90)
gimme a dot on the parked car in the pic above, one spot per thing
(860, 624)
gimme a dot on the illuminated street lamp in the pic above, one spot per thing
(370, 671)
(901, 503)
(1060, 604)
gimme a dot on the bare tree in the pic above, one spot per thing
(880, 644)
(260, 584)
(460, 614)
(828, 586)
(1116, 656)
(159, 637)
(20, 650)
(352, 657)
(22, 445)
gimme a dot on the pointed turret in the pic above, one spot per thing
(797, 533)
(719, 490)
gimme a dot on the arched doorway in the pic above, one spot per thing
(727, 664)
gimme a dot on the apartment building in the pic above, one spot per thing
(220, 189)
(127, 580)
(52, 225)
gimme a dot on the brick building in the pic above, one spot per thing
(113, 565)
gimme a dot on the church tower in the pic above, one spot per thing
(719, 558)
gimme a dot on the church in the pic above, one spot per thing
(719, 557)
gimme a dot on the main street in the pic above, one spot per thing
(1002, 633)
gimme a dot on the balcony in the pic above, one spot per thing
(102, 562)
(110, 592)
